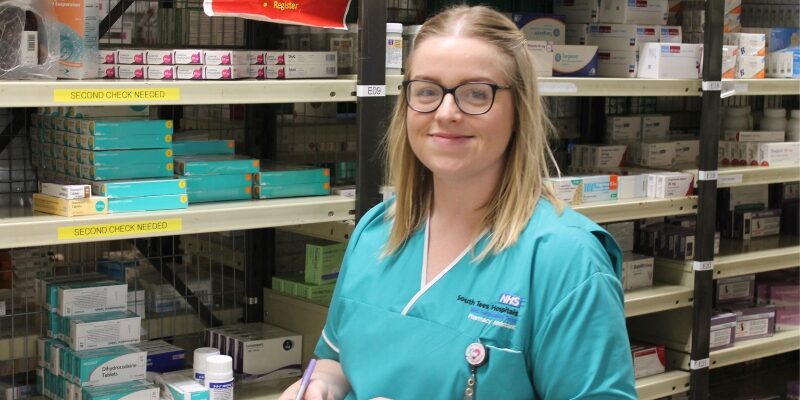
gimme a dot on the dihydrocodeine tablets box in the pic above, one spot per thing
(94, 331)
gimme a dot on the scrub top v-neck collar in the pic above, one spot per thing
(423, 286)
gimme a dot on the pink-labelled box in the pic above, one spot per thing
(723, 331)
(160, 57)
(161, 72)
(786, 299)
(648, 359)
(107, 57)
(753, 322)
(188, 57)
(130, 57)
(256, 57)
(107, 71)
(131, 71)
(257, 72)
(192, 72)
(225, 72)
(226, 57)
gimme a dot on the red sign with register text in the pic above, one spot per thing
(319, 13)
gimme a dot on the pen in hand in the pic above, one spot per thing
(306, 378)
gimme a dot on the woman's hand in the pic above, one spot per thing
(317, 390)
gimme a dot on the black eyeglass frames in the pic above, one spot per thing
(473, 98)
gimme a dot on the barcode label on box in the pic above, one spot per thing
(31, 41)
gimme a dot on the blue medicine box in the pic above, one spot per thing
(138, 188)
(147, 203)
(280, 175)
(88, 142)
(203, 147)
(125, 128)
(132, 171)
(124, 157)
(220, 194)
(215, 165)
(210, 182)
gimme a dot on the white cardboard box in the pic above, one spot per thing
(751, 67)
(772, 154)
(577, 11)
(542, 53)
(300, 71)
(130, 56)
(644, 12)
(300, 58)
(637, 271)
(617, 63)
(780, 64)
(577, 34)
(758, 136)
(623, 128)
(729, 56)
(575, 60)
(604, 156)
(667, 185)
(160, 57)
(599, 188)
(136, 71)
(670, 60)
(654, 154)
(749, 44)
(541, 27)
(225, 72)
(631, 186)
(188, 57)
(568, 189)
(687, 151)
(648, 360)
(613, 36)
(647, 34)
(655, 126)
(226, 57)
(670, 34)
(194, 72)
(162, 72)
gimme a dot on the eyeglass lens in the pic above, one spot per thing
(471, 98)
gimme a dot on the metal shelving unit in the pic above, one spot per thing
(623, 210)
(781, 342)
(745, 176)
(660, 297)
(739, 257)
(37, 230)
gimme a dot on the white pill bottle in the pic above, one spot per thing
(219, 377)
(199, 364)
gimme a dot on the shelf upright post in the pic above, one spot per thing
(371, 102)
(703, 264)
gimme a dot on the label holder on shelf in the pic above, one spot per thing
(699, 364)
(707, 175)
(371, 91)
(702, 265)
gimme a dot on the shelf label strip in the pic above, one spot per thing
(732, 179)
(699, 364)
(709, 86)
(147, 227)
(371, 91)
(142, 94)
(557, 87)
(707, 175)
(703, 265)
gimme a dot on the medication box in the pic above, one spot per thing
(617, 63)
(753, 224)
(667, 185)
(567, 189)
(136, 390)
(108, 366)
(723, 331)
(631, 186)
(574, 60)
(599, 188)
(132, 171)
(215, 165)
(65, 191)
(295, 190)
(126, 128)
(751, 67)
(267, 354)
(178, 386)
(613, 36)
(622, 128)
(162, 357)
(735, 289)
(541, 27)
(673, 60)
(189, 72)
(138, 188)
(219, 194)
(637, 271)
(90, 297)
(125, 157)
(94, 331)
(323, 262)
(147, 203)
(730, 54)
(772, 154)
(210, 182)
(604, 156)
(670, 34)
(687, 151)
(301, 71)
(161, 72)
(295, 58)
(542, 53)
(203, 147)
(754, 322)
(188, 57)
(79, 31)
(69, 208)
(648, 360)
(224, 72)
(130, 56)
(130, 142)
(276, 174)
(160, 57)
(577, 11)
(653, 154)
(577, 34)
(225, 57)
(655, 126)
(749, 44)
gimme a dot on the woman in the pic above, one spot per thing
(473, 282)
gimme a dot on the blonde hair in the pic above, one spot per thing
(526, 165)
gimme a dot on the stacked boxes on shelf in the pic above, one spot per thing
(322, 263)
(217, 177)
(89, 332)
(743, 213)
(637, 269)
(671, 238)
(260, 351)
(158, 64)
(276, 180)
(124, 161)
(292, 64)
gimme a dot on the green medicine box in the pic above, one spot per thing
(298, 190)
(281, 175)
(219, 194)
(215, 165)
(203, 147)
(133, 171)
(138, 188)
(323, 262)
(126, 128)
(211, 182)
(147, 203)
(88, 142)
(125, 157)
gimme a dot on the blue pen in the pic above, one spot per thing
(306, 378)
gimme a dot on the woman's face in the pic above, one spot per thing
(452, 144)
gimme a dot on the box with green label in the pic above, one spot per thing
(133, 171)
(88, 142)
(207, 182)
(147, 203)
(125, 128)
(203, 147)
(297, 190)
(215, 165)
(125, 157)
(219, 193)
(323, 262)
(138, 188)
(273, 174)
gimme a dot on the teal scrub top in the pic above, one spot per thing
(549, 309)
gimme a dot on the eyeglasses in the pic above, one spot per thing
(473, 98)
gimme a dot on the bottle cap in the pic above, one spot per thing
(200, 356)
(219, 364)
(392, 27)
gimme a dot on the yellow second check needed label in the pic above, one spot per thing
(116, 95)
(150, 227)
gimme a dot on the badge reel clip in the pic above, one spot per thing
(477, 354)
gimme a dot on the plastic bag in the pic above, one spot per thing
(12, 49)
(319, 13)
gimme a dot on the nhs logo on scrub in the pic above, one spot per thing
(510, 300)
